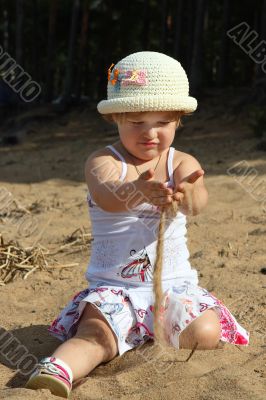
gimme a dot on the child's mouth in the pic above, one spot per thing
(149, 144)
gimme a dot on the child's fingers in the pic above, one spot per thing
(181, 188)
(162, 192)
(162, 201)
(192, 178)
(178, 196)
(156, 185)
(147, 175)
(195, 176)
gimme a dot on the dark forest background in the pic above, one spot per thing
(67, 46)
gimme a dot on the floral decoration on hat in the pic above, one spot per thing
(124, 78)
(134, 77)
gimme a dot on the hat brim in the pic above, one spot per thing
(147, 103)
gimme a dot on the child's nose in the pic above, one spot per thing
(150, 132)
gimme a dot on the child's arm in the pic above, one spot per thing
(102, 177)
(189, 186)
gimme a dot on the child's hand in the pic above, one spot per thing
(155, 192)
(183, 193)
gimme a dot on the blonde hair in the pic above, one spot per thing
(115, 118)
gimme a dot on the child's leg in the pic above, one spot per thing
(93, 344)
(204, 330)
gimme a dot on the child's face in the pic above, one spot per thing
(147, 135)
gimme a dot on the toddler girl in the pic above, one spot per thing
(129, 183)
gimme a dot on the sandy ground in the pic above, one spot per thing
(44, 174)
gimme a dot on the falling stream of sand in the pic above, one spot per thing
(166, 213)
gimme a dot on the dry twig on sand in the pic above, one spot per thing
(76, 242)
(16, 260)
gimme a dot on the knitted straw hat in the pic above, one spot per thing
(147, 81)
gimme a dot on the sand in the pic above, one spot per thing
(44, 174)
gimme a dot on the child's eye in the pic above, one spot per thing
(164, 122)
(136, 122)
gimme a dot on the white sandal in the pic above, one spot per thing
(47, 375)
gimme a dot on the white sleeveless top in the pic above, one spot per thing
(124, 246)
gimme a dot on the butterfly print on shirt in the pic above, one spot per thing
(140, 267)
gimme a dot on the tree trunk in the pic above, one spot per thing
(145, 36)
(259, 86)
(222, 69)
(82, 47)
(196, 65)
(190, 34)
(163, 31)
(178, 25)
(259, 74)
(35, 65)
(5, 29)
(19, 22)
(71, 52)
(49, 85)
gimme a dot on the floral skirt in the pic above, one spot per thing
(129, 312)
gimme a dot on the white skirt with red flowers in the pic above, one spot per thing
(129, 312)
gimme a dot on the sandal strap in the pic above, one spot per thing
(48, 367)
